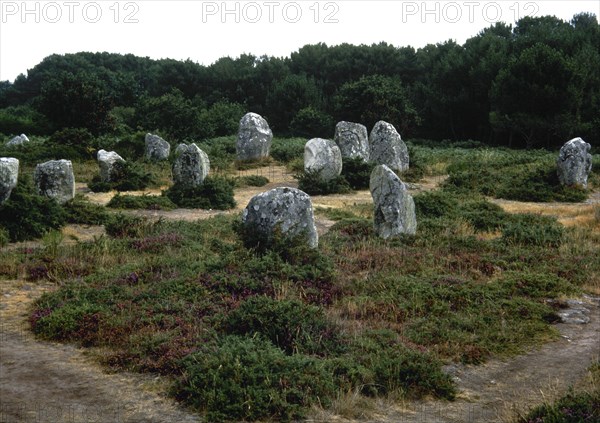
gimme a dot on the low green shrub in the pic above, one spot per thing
(250, 379)
(312, 184)
(81, 211)
(216, 192)
(357, 172)
(284, 150)
(127, 176)
(127, 226)
(26, 215)
(147, 202)
(574, 407)
(290, 325)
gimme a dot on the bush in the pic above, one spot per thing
(250, 379)
(529, 229)
(435, 204)
(26, 215)
(284, 150)
(312, 184)
(81, 211)
(357, 172)
(215, 193)
(125, 226)
(310, 122)
(147, 202)
(290, 325)
(127, 176)
(73, 143)
(574, 407)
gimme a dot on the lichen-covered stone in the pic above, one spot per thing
(106, 162)
(156, 148)
(387, 147)
(9, 173)
(323, 157)
(574, 163)
(352, 139)
(18, 140)
(191, 166)
(254, 138)
(55, 179)
(394, 208)
(286, 211)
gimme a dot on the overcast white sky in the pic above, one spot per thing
(204, 31)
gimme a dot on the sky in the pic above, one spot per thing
(204, 31)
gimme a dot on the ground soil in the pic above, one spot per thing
(50, 382)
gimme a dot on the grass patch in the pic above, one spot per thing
(251, 181)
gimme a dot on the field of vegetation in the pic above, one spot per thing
(243, 334)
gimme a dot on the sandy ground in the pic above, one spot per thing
(51, 382)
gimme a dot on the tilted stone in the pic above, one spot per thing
(106, 162)
(323, 157)
(286, 211)
(254, 138)
(55, 179)
(394, 208)
(9, 174)
(156, 148)
(18, 140)
(191, 166)
(387, 147)
(574, 163)
(352, 139)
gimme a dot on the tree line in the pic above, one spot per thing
(534, 84)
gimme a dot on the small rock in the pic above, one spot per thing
(18, 140)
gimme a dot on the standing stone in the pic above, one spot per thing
(254, 138)
(9, 173)
(55, 179)
(287, 211)
(106, 161)
(18, 140)
(190, 167)
(156, 148)
(574, 163)
(323, 157)
(394, 208)
(353, 140)
(387, 147)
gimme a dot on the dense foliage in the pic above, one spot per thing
(531, 84)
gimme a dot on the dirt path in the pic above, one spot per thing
(51, 382)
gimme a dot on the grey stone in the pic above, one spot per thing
(387, 147)
(323, 157)
(156, 148)
(9, 174)
(394, 208)
(106, 162)
(191, 166)
(352, 139)
(18, 140)
(55, 179)
(574, 163)
(254, 138)
(285, 210)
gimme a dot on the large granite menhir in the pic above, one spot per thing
(387, 147)
(9, 174)
(574, 163)
(107, 161)
(324, 158)
(254, 138)
(55, 179)
(156, 148)
(394, 208)
(352, 139)
(287, 212)
(191, 166)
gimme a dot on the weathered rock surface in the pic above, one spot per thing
(394, 208)
(387, 147)
(18, 140)
(55, 179)
(191, 166)
(323, 157)
(156, 148)
(574, 163)
(287, 211)
(254, 138)
(106, 162)
(352, 139)
(9, 173)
